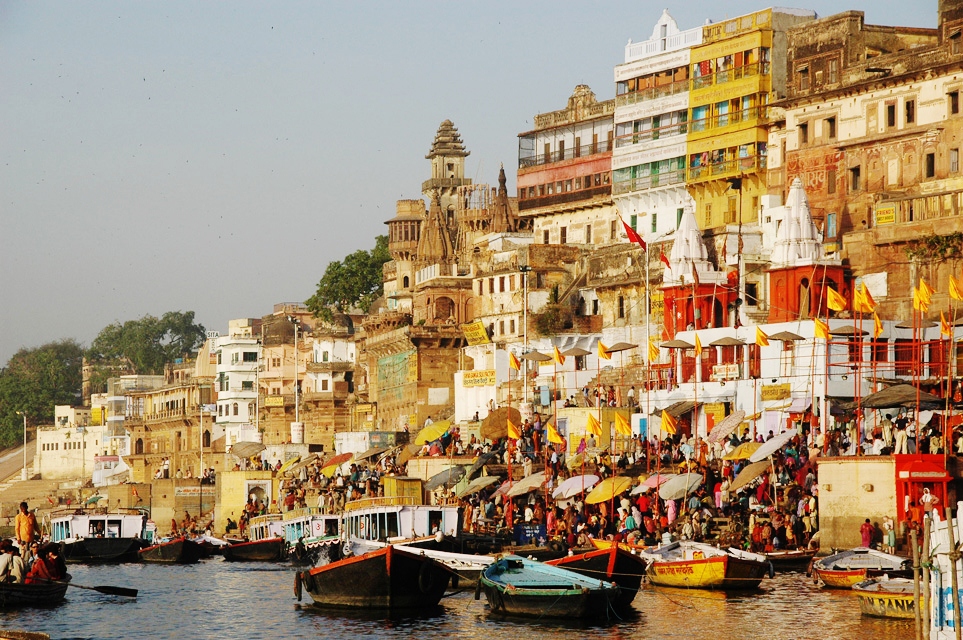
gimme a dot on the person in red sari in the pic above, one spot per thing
(48, 566)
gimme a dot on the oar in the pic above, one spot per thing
(111, 591)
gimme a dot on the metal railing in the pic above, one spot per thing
(651, 93)
(647, 135)
(676, 176)
(727, 167)
(566, 154)
(731, 75)
(726, 119)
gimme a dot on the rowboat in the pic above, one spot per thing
(388, 578)
(886, 598)
(794, 560)
(520, 587)
(695, 565)
(177, 551)
(37, 594)
(267, 550)
(614, 564)
(844, 569)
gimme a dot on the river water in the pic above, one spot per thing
(217, 599)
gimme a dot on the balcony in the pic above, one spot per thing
(648, 135)
(564, 198)
(727, 168)
(726, 119)
(567, 154)
(730, 75)
(443, 183)
(651, 93)
(668, 178)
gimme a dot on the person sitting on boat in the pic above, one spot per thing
(48, 566)
(11, 564)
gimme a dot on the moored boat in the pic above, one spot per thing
(177, 551)
(311, 535)
(614, 564)
(95, 537)
(388, 578)
(696, 565)
(793, 560)
(886, 598)
(37, 594)
(520, 587)
(844, 569)
(267, 550)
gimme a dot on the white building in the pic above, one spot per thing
(238, 357)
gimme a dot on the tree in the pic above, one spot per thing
(355, 282)
(148, 344)
(33, 382)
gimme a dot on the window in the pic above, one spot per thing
(955, 39)
(678, 216)
(588, 234)
(831, 128)
(621, 307)
(501, 284)
(854, 184)
(613, 230)
(511, 282)
(833, 70)
(831, 180)
(634, 221)
(803, 133)
(831, 225)
(655, 217)
(891, 115)
(235, 408)
(954, 99)
(511, 327)
(325, 356)
(930, 165)
(910, 109)
(563, 235)
(803, 73)
(708, 216)
(324, 384)
(545, 237)
(595, 307)
(954, 160)
(481, 287)
(491, 285)
(247, 385)
(501, 327)
(752, 296)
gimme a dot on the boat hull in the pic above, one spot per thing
(844, 569)
(612, 565)
(719, 572)
(384, 579)
(101, 550)
(32, 595)
(876, 601)
(788, 561)
(180, 551)
(270, 550)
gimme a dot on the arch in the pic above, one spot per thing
(138, 446)
(804, 295)
(444, 309)
(206, 439)
(236, 408)
(406, 282)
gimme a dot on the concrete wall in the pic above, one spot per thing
(232, 489)
(851, 490)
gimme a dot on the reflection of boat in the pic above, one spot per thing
(844, 569)
(886, 598)
(177, 551)
(517, 586)
(37, 594)
(696, 565)
(795, 560)
(614, 564)
(99, 537)
(388, 578)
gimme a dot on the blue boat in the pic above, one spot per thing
(517, 586)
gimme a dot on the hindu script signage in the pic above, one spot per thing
(274, 401)
(187, 492)
(725, 372)
(776, 392)
(394, 372)
(478, 378)
(475, 333)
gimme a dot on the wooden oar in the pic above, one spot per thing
(111, 591)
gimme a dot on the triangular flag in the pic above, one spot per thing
(877, 327)
(668, 423)
(604, 352)
(622, 426)
(593, 426)
(834, 300)
(859, 301)
(664, 261)
(955, 292)
(553, 435)
(761, 338)
(559, 358)
(926, 292)
(514, 362)
(821, 329)
(920, 303)
(513, 431)
(698, 346)
(868, 298)
(945, 328)
(653, 351)
(633, 236)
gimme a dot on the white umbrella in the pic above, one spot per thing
(574, 486)
(772, 445)
(477, 485)
(679, 486)
(525, 485)
(726, 426)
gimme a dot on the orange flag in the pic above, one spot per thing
(604, 352)
(668, 423)
(877, 327)
(834, 300)
(593, 426)
(821, 329)
(513, 431)
(698, 346)
(622, 425)
(926, 292)
(653, 351)
(955, 291)
(559, 358)
(514, 362)
(761, 338)
(553, 435)
(945, 328)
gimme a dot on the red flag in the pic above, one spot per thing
(665, 260)
(633, 236)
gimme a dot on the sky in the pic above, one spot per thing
(215, 156)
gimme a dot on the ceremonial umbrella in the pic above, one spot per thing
(495, 424)
(331, 465)
(407, 453)
(446, 478)
(574, 486)
(432, 432)
(620, 346)
(537, 356)
(726, 426)
(608, 489)
(575, 461)
(680, 486)
(477, 485)
(480, 462)
(371, 453)
(657, 479)
(290, 462)
(772, 445)
(502, 489)
(743, 451)
(749, 474)
(526, 485)
(247, 449)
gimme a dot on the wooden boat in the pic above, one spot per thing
(696, 565)
(95, 537)
(886, 598)
(520, 587)
(311, 536)
(267, 550)
(177, 551)
(614, 564)
(844, 569)
(45, 594)
(795, 560)
(388, 578)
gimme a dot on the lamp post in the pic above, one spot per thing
(23, 472)
(296, 425)
(525, 270)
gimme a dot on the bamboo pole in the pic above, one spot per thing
(925, 559)
(954, 556)
(917, 603)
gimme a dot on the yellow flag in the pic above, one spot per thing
(604, 352)
(553, 435)
(926, 292)
(761, 338)
(653, 351)
(868, 299)
(698, 346)
(593, 426)
(513, 361)
(513, 431)
(945, 328)
(955, 292)
(822, 329)
(877, 327)
(559, 358)
(834, 300)
(920, 303)
(622, 425)
(668, 423)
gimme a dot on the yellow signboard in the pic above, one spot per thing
(475, 333)
(479, 378)
(715, 409)
(657, 301)
(776, 391)
(274, 401)
(886, 214)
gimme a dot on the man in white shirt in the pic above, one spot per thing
(11, 564)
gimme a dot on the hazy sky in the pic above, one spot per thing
(215, 157)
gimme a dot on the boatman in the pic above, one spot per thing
(26, 529)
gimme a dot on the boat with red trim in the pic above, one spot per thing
(613, 564)
(176, 551)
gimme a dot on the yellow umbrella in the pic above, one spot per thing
(432, 432)
(289, 463)
(743, 451)
(608, 489)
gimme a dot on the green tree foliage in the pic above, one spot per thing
(34, 381)
(149, 343)
(357, 281)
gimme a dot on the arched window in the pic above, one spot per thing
(207, 438)
(139, 446)
(406, 282)
(235, 409)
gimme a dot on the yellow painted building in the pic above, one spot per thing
(234, 488)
